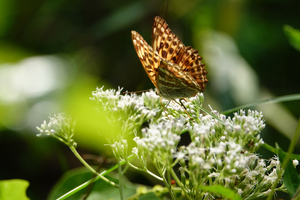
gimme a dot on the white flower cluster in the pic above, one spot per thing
(132, 110)
(211, 131)
(159, 141)
(120, 149)
(60, 127)
(221, 151)
(225, 156)
(244, 127)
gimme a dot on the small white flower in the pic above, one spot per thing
(179, 155)
(237, 128)
(295, 163)
(135, 151)
(223, 138)
(199, 160)
(207, 166)
(240, 191)
(216, 150)
(214, 175)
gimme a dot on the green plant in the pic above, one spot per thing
(221, 153)
(219, 162)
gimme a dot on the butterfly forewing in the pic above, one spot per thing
(149, 59)
(167, 44)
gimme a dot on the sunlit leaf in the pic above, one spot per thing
(224, 192)
(14, 189)
(293, 36)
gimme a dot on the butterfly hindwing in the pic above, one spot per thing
(174, 83)
(191, 63)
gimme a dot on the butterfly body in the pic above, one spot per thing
(174, 69)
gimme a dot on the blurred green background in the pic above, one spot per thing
(54, 53)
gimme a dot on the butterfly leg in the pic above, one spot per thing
(180, 100)
(166, 104)
(185, 110)
(165, 110)
(187, 100)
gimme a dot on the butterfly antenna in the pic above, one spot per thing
(136, 91)
(165, 8)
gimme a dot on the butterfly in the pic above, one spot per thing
(174, 69)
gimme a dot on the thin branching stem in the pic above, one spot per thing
(90, 168)
(120, 173)
(162, 174)
(145, 170)
(286, 159)
(184, 189)
(80, 187)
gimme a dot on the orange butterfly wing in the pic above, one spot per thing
(149, 59)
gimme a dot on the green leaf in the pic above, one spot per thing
(290, 177)
(99, 190)
(225, 192)
(293, 35)
(14, 189)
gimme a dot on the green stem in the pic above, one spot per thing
(297, 198)
(180, 184)
(292, 97)
(90, 168)
(214, 116)
(82, 186)
(274, 150)
(145, 170)
(286, 159)
(120, 180)
(78, 188)
(164, 180)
